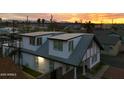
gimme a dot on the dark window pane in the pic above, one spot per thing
(58, 45)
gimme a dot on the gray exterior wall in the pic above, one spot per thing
(29, 60)
(65, 53)
(26, 42)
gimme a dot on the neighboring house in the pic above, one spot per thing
(57, 53)
(5, 34)
(8, 30)
(119, 33)
(3, 39)
(77, 28)
(111, 42)
(104, 26)
(8, 43)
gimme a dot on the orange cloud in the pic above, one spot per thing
(70, 17)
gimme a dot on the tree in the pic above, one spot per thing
(76, 22)
(43, 22)
(39, 21)
(0, 19)
(1, 22)
(53, 26)
(89, 27)
(51, 18)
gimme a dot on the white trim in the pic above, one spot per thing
(75, 72)
(84, 72)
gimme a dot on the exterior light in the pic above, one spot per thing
(40, 59)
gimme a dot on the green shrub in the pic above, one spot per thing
(31, 72)
(96, 68)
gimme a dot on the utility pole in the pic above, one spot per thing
(27, 19)
(112, 21)
(51, 18)
(27, 23)
(101, 21)
(81, 21)
(51, 22)
(13, 24)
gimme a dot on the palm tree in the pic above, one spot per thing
(43, 22)
(89, 27)
(39, 21)
(0, 19)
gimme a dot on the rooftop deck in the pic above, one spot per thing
(67, 36)
(38, 33)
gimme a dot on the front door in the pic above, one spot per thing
(53, 74)
(57, 74)
(52, 71)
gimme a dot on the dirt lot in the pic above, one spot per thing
(8, 70)
(114, 73)
(116, 63)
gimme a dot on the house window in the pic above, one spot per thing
(122, 38)
(97, 50)
(39, 41)
(94, 48)
(110, 47)
(71, 46)
(6, 51)
(58, 45)
(94, 58)
(32, 40)
(87, 60)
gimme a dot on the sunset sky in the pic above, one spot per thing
(70, 17)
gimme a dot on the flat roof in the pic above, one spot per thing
(67, 36)
(38, 33)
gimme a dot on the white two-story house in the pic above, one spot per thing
(58, 53)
